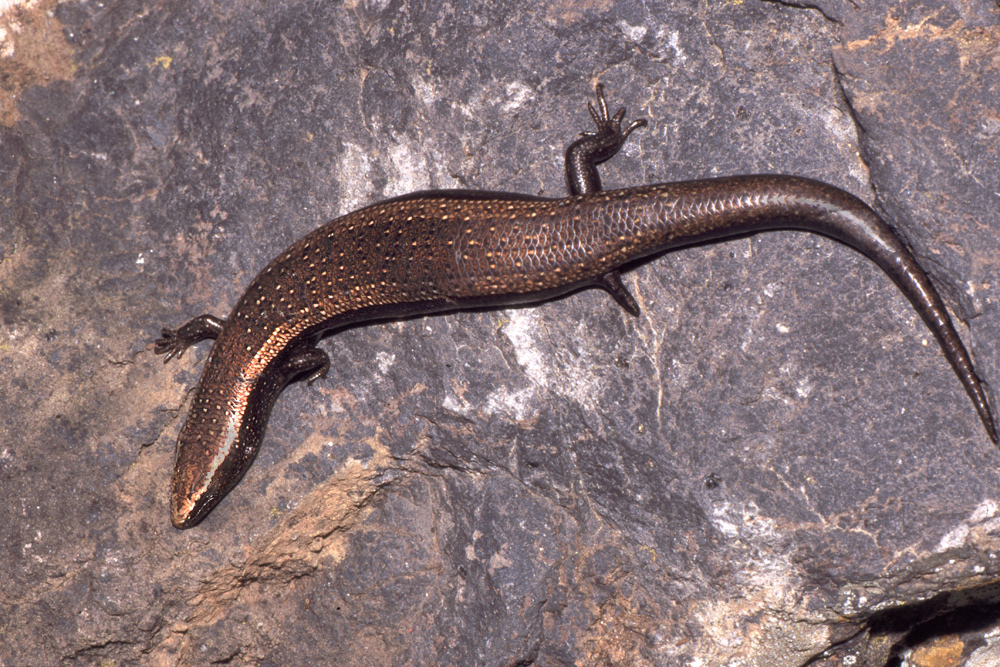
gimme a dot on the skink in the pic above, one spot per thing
(446, 250)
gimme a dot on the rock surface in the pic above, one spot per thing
(773, 464)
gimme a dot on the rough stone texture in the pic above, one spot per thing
(773, 464)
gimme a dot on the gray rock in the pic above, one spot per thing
(773, 464)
